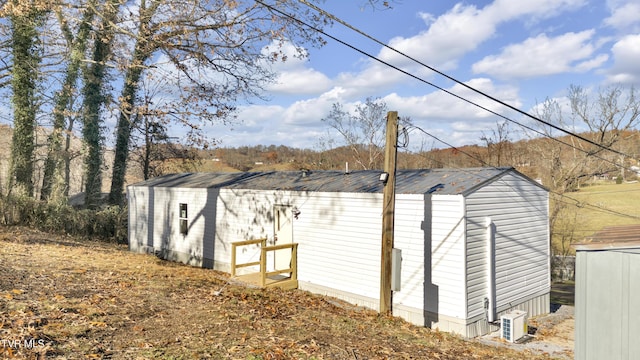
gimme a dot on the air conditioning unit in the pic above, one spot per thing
(513, 325)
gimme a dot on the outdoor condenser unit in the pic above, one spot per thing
(513, 325)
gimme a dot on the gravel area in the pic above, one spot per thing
(550, 334)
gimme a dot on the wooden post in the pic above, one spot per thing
(233, 259)
(389, 195)
(294, 262)
(263, 266)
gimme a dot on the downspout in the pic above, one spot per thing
(490, 300)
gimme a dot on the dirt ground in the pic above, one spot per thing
(62, 298)
(551, 334)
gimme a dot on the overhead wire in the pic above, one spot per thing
(590, 153)
(577, 202)
(455, 95)
(461, 83)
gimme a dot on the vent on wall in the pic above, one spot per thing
(513, 325)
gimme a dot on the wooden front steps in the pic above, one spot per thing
(265, 278)
(256, 279)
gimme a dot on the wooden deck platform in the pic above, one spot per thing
(286, 283)
(264, 278)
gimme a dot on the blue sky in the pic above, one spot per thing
(521, 52)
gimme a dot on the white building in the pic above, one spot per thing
(474, 242)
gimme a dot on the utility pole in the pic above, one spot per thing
(388, 211)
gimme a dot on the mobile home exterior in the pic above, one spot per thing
(474, 242)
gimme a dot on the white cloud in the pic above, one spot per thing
(294, 59)
(465, 27)
(542, 55)
(442, 44)
(372, 81)
(624, 15)
(626, 68)
(306, 112)
(448, 37)
(534, 10)
(300, 82)
(293, 77)
(446, 107)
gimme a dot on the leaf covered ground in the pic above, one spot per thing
(62, 298)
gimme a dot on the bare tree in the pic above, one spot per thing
(363, 130)
(498, 145)
(566, 161)
(217, 55)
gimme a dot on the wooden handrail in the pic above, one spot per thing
(262, 241)
(279, 247)
(293, 269)
(234, 249)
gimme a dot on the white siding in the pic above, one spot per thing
(244, 215)
(155, 227)
(139, 237)
(448, 255)
(439, 289)
(339, 234)
(410, 238)
(340, 237)
(519, 210)
(197, 244)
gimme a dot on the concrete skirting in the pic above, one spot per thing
(352, 298)
(537, 304)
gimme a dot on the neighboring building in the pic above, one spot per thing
(607, 297)
(474, 242)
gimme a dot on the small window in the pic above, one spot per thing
(184, 221)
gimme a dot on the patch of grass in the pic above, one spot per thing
(621, 198)
(595, 207)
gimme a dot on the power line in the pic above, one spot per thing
(577, 203)
(453, 79)
(333, 17)
(458, 96)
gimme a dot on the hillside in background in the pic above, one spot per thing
(527, 156)
(76, 158)
(531, 157)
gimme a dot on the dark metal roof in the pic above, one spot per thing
(194, 180)
(421, 181)
(612, 237)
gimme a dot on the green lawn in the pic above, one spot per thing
(602, 205)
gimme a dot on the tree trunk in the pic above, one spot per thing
(128, 101)
(54, 178)
(24, 79)
(94, 79)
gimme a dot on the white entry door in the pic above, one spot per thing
(283, 234)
